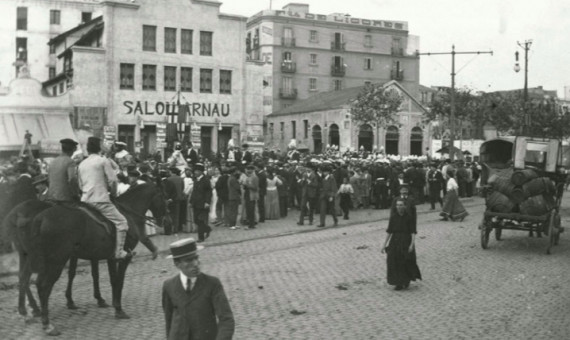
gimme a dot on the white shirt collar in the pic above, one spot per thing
(184, 280)
(25, 175)
(199, 178)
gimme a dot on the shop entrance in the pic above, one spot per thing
(127, 134)
(224, 137)
(148, 141)
(206, 141)
(416, 141)
(334, 135)
(392, 140)
(365, 137)
(317, 139)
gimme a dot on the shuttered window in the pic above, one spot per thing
(169, 40)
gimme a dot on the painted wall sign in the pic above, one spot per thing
(171, 109)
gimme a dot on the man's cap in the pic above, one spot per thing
(68, 141)
(199, 166)
(40, 179)
(175, 170)
(183, 248)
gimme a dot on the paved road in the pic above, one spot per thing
(510, 291)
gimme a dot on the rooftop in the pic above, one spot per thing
(321, 102)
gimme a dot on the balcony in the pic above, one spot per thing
(338, 70)
(397, 51)
(337, 45)
(288, 42)
(288, 67)
(288, 93)
(397, 74)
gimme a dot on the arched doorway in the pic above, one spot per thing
(317, 139)
(365, 137)
(334, 135)
(392, 140)
(416, 140)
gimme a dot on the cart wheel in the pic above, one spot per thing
(553, 230)
(485, 231)
(498, 232)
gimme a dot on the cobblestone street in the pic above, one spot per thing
(331, 284)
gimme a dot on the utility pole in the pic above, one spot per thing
(526, 46)
(452, 113)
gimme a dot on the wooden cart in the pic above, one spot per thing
(507, 165)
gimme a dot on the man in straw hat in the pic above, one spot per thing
(200, 201)
(96, 178)
(195, 305)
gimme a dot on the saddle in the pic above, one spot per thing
(95, 216)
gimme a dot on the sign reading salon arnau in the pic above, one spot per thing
(167, 108)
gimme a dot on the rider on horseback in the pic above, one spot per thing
(62, 175)
(96, 180)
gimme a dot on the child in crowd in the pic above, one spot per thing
(345, 191)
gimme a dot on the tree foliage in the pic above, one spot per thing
(376, 105)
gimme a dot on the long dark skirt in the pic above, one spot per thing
(402, 266)
(452, 206)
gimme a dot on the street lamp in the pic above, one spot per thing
(526, 46)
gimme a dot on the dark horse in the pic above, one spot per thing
(59, 233)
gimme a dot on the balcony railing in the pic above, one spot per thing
(337, 46)
(397, 74)
(397, 51)
(288, 93)
(338, 70)
(289, 42)
(288, 67)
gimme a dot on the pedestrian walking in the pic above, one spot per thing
(309, 186)
(327, 196)
(195, 305)
(272, 211)
(251, 195)
(435, 181)
(200, 201)
(234, 197)
(400, 247)
(345, 192)
(452, 207)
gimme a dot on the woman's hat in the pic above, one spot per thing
(199, 166)
(184, 247)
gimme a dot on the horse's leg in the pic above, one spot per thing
(70, 276)
(121, 269)
(147, 242)
(96, 291)
(46, 279)
(23, 283)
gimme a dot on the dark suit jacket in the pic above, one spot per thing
(222, 188)
(201, 193)
(328, 188)
(252, 187)
(204, 314)
(193, 155)
(247, 157)
(177, 185)
(310, 186)
(262, 176)
(238, 156)
(234, 189)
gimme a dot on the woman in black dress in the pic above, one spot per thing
(400, 248)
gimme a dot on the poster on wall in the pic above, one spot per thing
(195, 135)
(109, 134)
(160, 135)
(256, 143)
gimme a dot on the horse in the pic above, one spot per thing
(61, 233)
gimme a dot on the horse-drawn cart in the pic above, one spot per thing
(523, 181)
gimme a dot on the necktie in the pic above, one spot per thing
(188, 286)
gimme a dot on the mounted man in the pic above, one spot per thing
(62, 175)
(97, 180)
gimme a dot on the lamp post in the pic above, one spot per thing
(526, 46)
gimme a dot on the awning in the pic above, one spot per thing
(43, 127)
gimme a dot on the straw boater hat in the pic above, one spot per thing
(184, 247)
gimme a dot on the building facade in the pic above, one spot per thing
(305, 53)
(325, 120)
(28, 25)
(144, 64)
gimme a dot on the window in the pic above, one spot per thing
(186, 79)
(206, 43)
(287, 56)
(337, 84)
(149, 77)
(205, 80)
(312, 84)
(54, 17)
(127, 77)
(22, 49)
(314, 36)
(169, 78)
(305, 128)
(293, 129)
(186, 41)
(52, 49)
(271, 130)
(149, 38)
(51, 72)
(313, 59)
(22, 18)
(368, 40)
(86, 16)
(368, 63)
(169, 40)
(225, 81)
(61, 87)
(282, 129)
(54, 91)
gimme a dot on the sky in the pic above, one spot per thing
(482, 25)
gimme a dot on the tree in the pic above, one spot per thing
(376, 105)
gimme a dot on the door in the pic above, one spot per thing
(206, 141)
(224, 137)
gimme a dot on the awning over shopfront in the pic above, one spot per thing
(45, 128)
